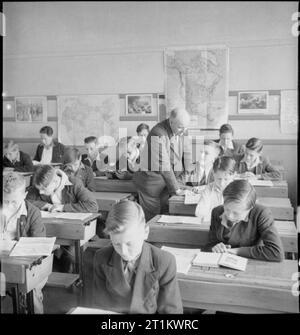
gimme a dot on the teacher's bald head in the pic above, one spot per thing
(179, 120)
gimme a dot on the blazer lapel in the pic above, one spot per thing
(115, 279)
(146, 276)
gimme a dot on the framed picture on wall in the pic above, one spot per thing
(31, 109)
(139, 105)
(253, 102)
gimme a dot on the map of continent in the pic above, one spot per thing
(87, 115)
(197, 80)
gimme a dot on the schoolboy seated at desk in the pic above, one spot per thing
(16, 159)
(21, 219)
(54, 191)
(75, 168)
(253, 165)
(132, 276)
(203, 172)
(229, 147)
(50, 151)
(128, 159)
(212, 194)
(242, 227)
(94, 158)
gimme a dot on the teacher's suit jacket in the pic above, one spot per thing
(161, 163)
(155, 288)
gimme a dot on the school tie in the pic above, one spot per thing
(129, 271)
(229, 224)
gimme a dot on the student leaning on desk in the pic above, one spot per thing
(54, 191)
(252, 164)
(242, 227)
(21, 219)
(16, 159)
(132, 276)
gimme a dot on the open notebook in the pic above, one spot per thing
(214, 259)
(184, 257)
(33, 246)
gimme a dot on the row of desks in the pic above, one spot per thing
(278, 190)
(265, 287)
(73, 230)
(183, 235)
(281, 208)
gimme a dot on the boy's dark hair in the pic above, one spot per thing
(141, 127)
(46, 130)
(254, 144)
(43, 176)
(226, 128)
(238, 191)
(71, 155)
(90, 139)
(224, 163)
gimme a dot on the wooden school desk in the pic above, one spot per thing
(114, 185)
(107, 199)
(278, 190)
(265, 287)
(281, 208)
(182, 235)
(70, 232)
(22, 275)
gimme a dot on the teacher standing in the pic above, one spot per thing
(161, 164)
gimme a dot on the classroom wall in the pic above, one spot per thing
(66, 48)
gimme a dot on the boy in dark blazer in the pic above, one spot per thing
(49, 151)
(252, 164)
(21, 219)
(228, 146)
(16, 159)
(242, 227)
(132, 276)
(54, 191)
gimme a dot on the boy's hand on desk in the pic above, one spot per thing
(221, 247)
(56, 208)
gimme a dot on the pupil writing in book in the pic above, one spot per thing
(54, 191)
(211, 195)
(242, 227)
(252, 164)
